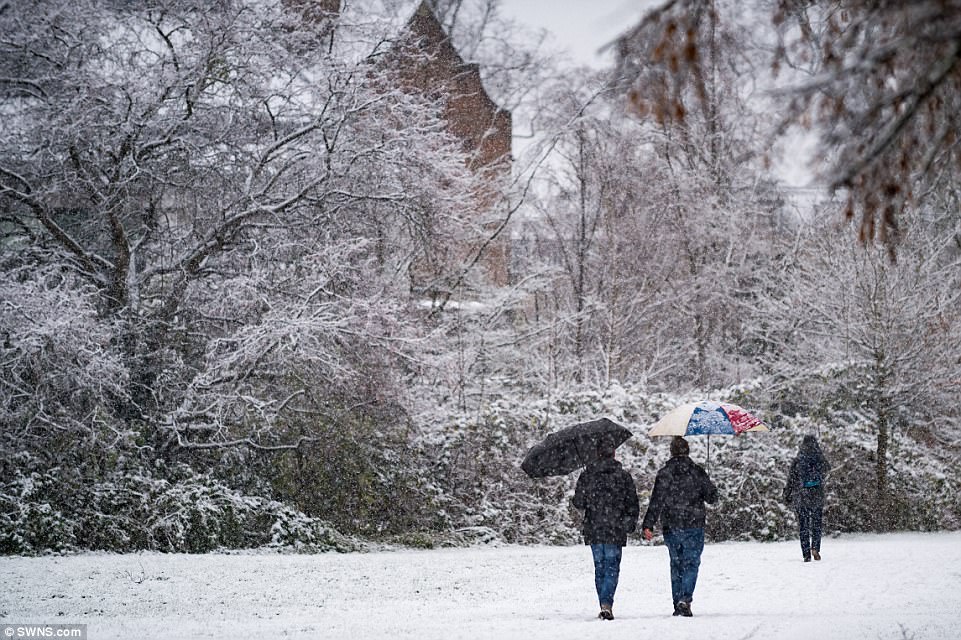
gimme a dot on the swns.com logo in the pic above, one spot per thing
(72, 631)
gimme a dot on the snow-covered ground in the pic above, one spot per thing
(891, 586)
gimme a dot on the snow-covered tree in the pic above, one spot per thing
(883, 334)
(588, 232)
(719, 204)
(884, 98)
(240, 218)
(877, 82)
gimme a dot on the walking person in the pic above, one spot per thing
(804, 491)
(680, 490)
(606, 493)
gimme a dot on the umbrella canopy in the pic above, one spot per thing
(568, 449)
(706, 418)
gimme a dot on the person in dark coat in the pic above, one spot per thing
(804, 490)
(680, 490)
(606, 493)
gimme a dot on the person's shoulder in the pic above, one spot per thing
(674, 469)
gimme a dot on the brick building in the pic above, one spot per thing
(472, 115)
(484, 128)
(430, 63)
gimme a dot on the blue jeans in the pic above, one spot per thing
(809, 523)
(685, 547)
(607, 567)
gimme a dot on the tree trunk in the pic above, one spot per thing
(581, 256)
(882, 379)
(884, 518)
(700, 341)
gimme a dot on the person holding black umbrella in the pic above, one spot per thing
(606, 493)
(681, 488)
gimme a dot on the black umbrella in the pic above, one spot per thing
(568, 449)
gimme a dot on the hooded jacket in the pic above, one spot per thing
(680, 490)
(805, 481)
(606, 493)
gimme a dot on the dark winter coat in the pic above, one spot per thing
(606, 493)
(680, 490)
(805, 481)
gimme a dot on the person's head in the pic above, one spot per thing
(679, 447)
(605, 451)
(809, 444)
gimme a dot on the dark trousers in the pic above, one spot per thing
(685, 547)
(607, 567)
(809, 523)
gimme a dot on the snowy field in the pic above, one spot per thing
(891, 586)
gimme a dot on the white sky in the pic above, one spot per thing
(580, 26)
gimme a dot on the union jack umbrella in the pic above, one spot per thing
(707, 418)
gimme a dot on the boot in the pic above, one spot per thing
(816, 554)
(606, 613)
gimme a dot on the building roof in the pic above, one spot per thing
(367, 28)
